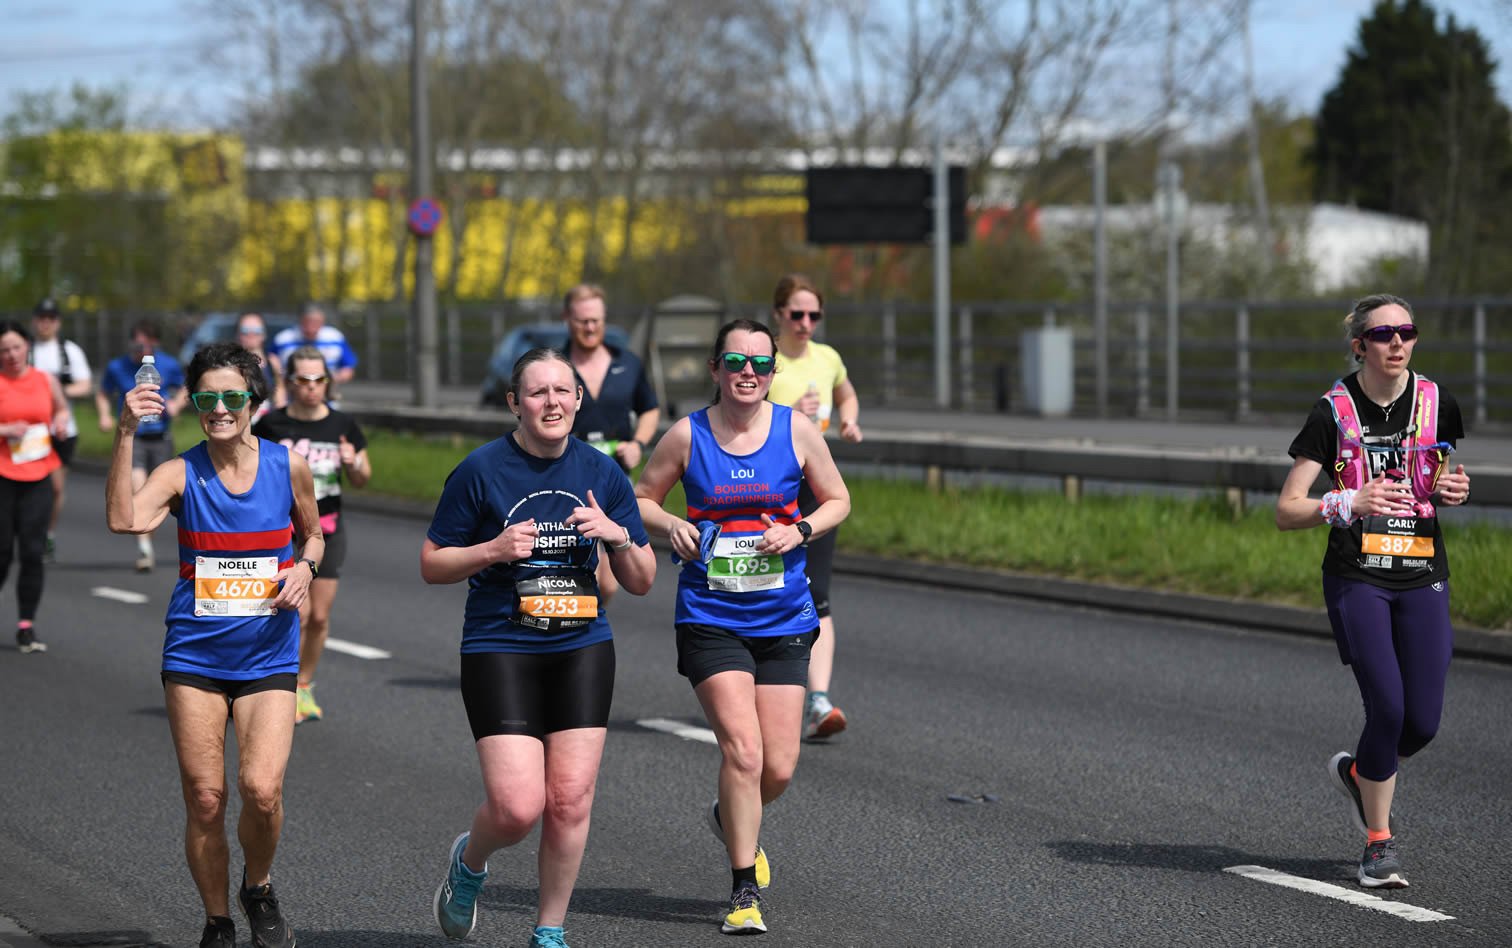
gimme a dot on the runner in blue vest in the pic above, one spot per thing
(745, 620)
(521, 520)
(233, 621)
(1384, 434)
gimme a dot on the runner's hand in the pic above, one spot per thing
(296, 586)
(140, 402)
(851, 431)
(684, 537)
(348, 451)
(778, 538)
(809, 403)
(592, 522)
(516, 542)
(1454, 487)
(1383, 498)
(628, 453)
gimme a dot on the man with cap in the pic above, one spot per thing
(62, 358)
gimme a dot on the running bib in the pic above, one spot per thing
(555, 603)
(235, 585)
(1397, 544)
(738, 568)
(34, 445)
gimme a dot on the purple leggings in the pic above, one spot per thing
(1398, 643)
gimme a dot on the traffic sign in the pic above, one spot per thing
(424, 217)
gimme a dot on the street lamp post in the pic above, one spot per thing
(1173, 214)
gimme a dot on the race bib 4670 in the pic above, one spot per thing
(235, 585)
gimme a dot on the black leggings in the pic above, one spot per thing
(25, 507)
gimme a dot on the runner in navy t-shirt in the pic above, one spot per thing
(521, 519)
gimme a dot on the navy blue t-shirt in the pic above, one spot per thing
(625, 394)
(120, 378)
(500, 484)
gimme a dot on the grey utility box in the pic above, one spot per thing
(682, 332)
(1047, 368)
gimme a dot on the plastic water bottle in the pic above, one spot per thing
(148, 375)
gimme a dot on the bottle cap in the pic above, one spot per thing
(149, 360)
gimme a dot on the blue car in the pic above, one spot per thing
(521, 340)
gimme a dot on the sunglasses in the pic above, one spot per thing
(205, 401)
(251, 331)
(311, 379)
(735, 363)
(1383, 334)
(797, 314)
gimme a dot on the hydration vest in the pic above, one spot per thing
(1424, 458)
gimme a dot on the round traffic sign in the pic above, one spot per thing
(424, 217)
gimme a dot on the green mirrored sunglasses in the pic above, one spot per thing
(205, 401)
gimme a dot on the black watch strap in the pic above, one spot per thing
(805, 528)
(314, 570)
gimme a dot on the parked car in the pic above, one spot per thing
(221, 327)
(521, 340)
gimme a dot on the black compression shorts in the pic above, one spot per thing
(535, 695)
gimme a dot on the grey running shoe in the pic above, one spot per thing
(260, 905)
(26, 641)
(1344, 782)
(456, 903)
(763, 867)
(1380, 868)
(822, 719)
(220, 932)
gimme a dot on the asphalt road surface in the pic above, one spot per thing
(1132, 760)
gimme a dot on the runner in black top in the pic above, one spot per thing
(1383, 434)
(334, 446)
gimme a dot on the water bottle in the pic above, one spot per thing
(148, 375)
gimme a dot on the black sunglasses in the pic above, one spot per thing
(797, 314)
(735, 363)
(205, 401)
(1407, 331)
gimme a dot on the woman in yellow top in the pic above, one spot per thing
(811, 378)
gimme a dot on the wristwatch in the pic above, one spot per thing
(806, 529)
(314, 570)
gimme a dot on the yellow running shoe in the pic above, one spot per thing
(305, 708)
(763, 868)
(745, 912)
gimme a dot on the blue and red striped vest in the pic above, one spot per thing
(213, 522)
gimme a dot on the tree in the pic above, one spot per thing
(1413, 126)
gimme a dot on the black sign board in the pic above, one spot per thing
(859, 205)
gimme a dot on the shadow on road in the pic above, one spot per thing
(445, 682)
(120, 939)
(616, 902)
(1194, 857)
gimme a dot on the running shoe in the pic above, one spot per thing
(822, 719)
(305, 708)
(220, 932)
(549, 938)
(1380, 868)
(26, 641)
(1344, 782)
(456, 902)
(763, 868)
(144, 563)
(260, 905)
(744, 917)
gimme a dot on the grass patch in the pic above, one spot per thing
(1191, 546)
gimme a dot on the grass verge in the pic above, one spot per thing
(1189, 546)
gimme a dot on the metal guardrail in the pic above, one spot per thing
(934, 452)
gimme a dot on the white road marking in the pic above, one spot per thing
(685, 731)
(119, 595)
(360, 651)
(1353, 896)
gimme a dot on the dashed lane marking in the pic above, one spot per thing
(357, 650)
(119, 595)
(1353, 896)
(678, 729)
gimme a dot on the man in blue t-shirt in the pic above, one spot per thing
(154, 441)
(313, 331)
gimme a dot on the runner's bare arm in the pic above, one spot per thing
(308, 540)
(667, 465)
(823, 478)
(1294, 509)
(144, 510)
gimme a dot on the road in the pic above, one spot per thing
(1133, 761)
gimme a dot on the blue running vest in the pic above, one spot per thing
(213, 522)
(738, 591)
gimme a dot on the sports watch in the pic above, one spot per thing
(806, 530)
(314, 570)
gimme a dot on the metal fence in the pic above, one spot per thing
(1235, 359)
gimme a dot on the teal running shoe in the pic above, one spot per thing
(545, 937)
(456, 902)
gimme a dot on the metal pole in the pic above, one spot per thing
(1171, 183)
(453, 345)
(427, 385)
(1480, 363)
(1141, 362)
(1242, 340)
(889, 352)
(1100, 271)
(941, 274)
(963, 333)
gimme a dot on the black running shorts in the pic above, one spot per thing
(335, 554)
(66, 448)
(704, 651)
(233, 688)
(535, 695)
(820, 554)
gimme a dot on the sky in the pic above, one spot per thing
(156, 46)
